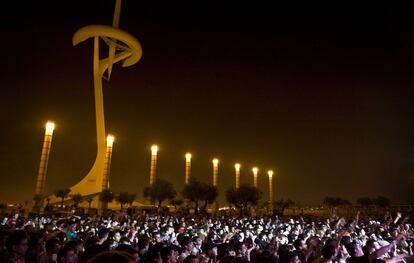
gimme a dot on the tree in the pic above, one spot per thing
(282, 204)
(76, 198)
(210, 194)
(335, 201)
(62, 193)
(37, 198)
(106, 196)
(159, 191)
(382, 202)
(89, 202)
(131, 198)
(242, 197)
(124, 198)
(194, 191)
(364, 201)
(176, 202)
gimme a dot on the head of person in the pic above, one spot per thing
(211, 249)
(197, 241)
(355, 249)
(191, 259)
(370, 246)
(143, 244)
(228, 259)
(228, 250)
(299, 244)
(67, 255)
(169, 254)
(117, 236)
(103, 233)
(292, 257)
(186, 243)
(156, 237)
(240, 249)
(328, 251)
(112, 256)
(17, 243)
(130, 250)
(345, 240)
(52, 246)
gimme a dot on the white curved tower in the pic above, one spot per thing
(124, 48)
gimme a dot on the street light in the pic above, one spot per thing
(108, 157)
(255, 171)
(237, 168)
(154, 151)
(270, 174)
(215, 171)
(187, 167)
(44, 158)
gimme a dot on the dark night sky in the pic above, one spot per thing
(322, 95)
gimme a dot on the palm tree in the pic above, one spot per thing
(89, 202)
(37, 200)
(62, 193)
(122, 198)
(131, 198)
(76, 198)
(106, 197)
(159, 191)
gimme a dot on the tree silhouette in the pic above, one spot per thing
(176, 202)
(106, 196)
(364, 201)
(282, 204)
(131, 198)
(242, 197)
(210, 194)
(62, 193)
(76, 198)
(335, 201)
(37, 198)
(382, 202)
(89, 202)
(194, 191)
(159, 191)
(124, 198)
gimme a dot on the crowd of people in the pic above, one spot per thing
(148, 238)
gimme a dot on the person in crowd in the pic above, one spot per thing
(50, 254)
(17, 244)
(169, 254)
(187, 246)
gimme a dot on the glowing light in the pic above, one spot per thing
(237, 167)
(215, 162)
(188, 156)
(255, 171)
(154, 149)
(50, 126)
(270, 173)
(109, 140)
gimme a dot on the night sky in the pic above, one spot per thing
(320, 94)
